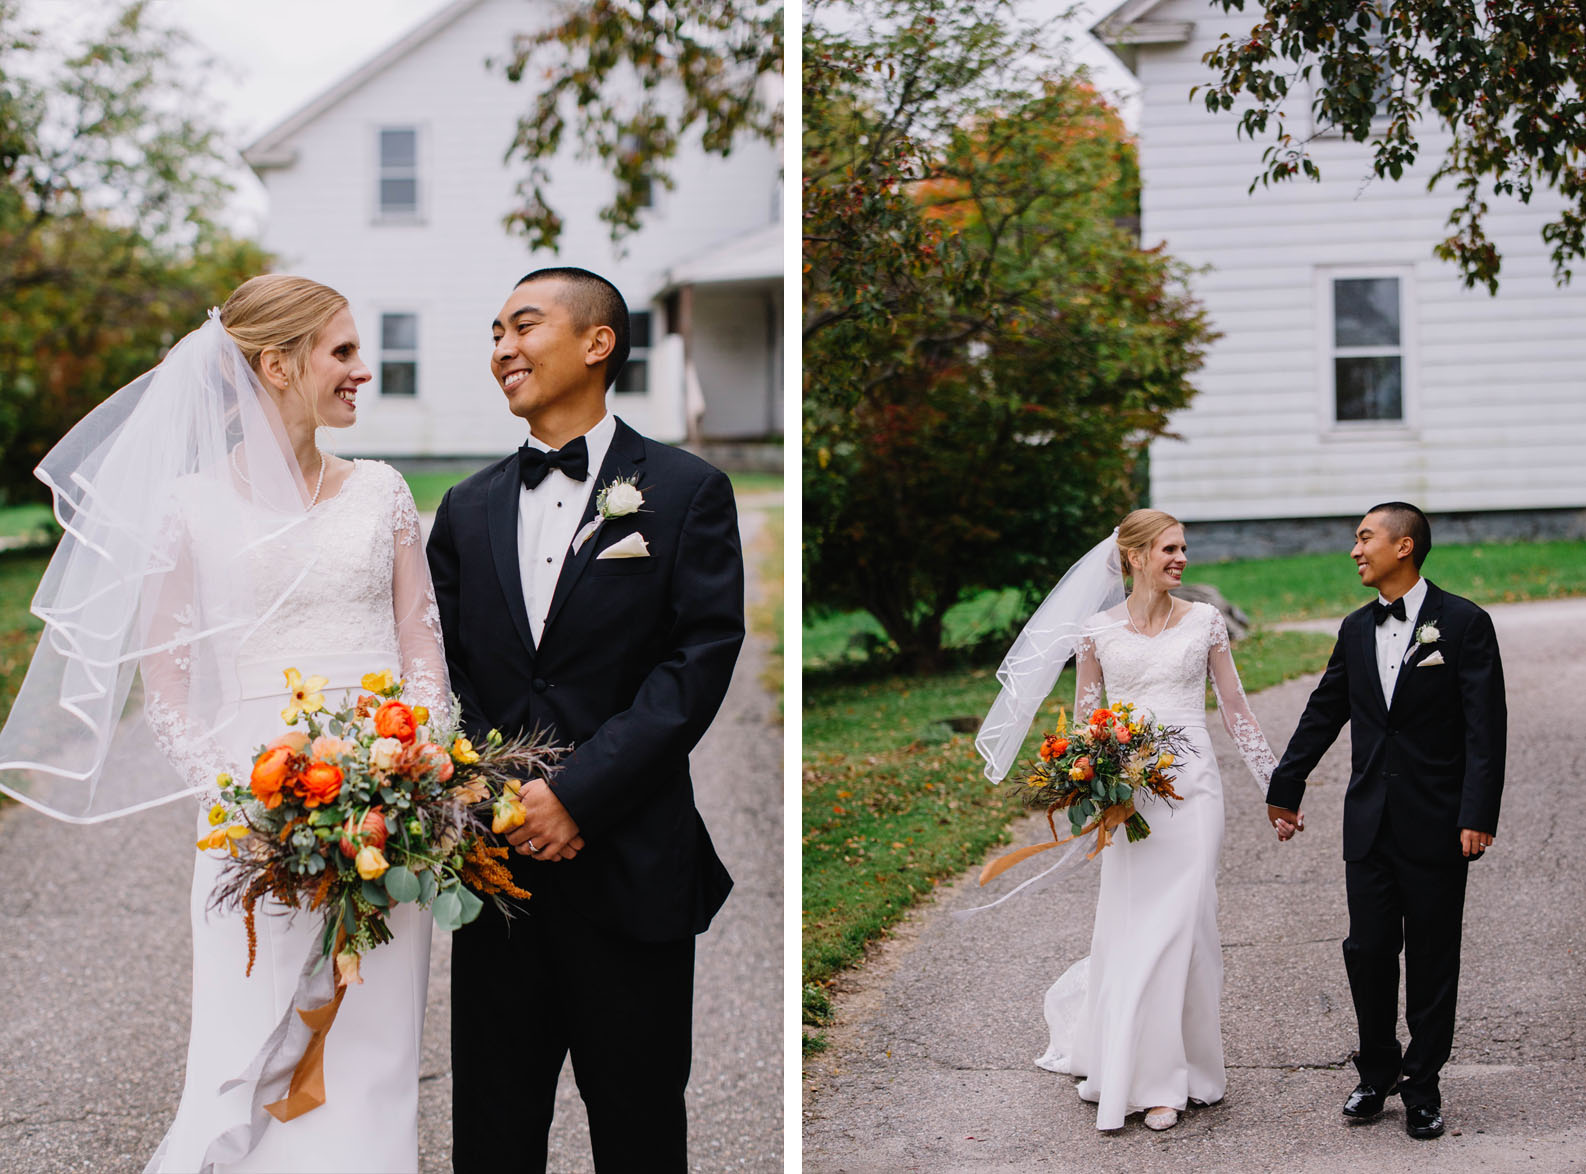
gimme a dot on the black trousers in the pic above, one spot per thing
(525, 993)
(1394, 904)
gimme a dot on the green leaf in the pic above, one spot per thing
(448, 910)
(426, 887)
(401, 884)
(374, 893)
(470, 902)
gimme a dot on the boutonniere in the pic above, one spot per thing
(1427, 633)
(617, 500)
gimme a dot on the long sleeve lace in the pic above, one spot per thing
(1089, 687)
(1238, 719)
(169, 702)
(418, 619)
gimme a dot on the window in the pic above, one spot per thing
(398, 195)
(1368, 350)
(399, 354)
(634, 378)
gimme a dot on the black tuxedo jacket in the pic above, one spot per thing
(1433, 760)
(632, 665)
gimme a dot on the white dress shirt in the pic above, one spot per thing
(548, 517)
(1393, 638)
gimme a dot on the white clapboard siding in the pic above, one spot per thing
(1495, 386)
(455, 265)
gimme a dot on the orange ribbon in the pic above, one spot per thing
(1103, 825)
(307, 1090)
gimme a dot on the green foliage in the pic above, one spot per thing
(699, 66)
(1506, 79)
(108, 248)
(986, 349)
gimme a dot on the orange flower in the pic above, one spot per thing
(319, 783)
(1101, 716)
(293, 740)
(372, 829)
(435, 759)
(395, 720)
(269, 776)
(1121, 732)
(1082, 771)
(1052, 747)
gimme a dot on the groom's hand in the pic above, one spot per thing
(1287, 822)
(548, 832)
(1472, 843)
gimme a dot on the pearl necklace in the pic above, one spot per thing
(319, 484)
(1128, 612)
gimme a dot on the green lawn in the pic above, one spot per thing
(429, 488)
(1298, 587)
(19, 628)
(17, 521)
(743, 483)
(765, 610)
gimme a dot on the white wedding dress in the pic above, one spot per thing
(1139, 1019)
(366, 605)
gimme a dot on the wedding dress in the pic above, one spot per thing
(1139, 1018)
(365, 604)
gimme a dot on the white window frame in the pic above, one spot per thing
(378, 214)
(1327, 350)
(639, 354)
(401, 355)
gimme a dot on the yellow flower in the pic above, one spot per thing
(464, 753)
(1164, 760)
(1062, 720)
(378, 682)
(305, 695)
(421, 714)
(507, 814)
(224, 838)
(223, 779)
(371, 862)
(347, 969)
(217, 815)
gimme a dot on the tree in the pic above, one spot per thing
(987, 350)
(1505, 78)
(109, 247)
(640, 77)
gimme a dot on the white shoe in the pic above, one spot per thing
(1160, 1119)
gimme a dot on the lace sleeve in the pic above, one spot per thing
(1089, 687)
(1238, 720)
(418, 619)
(182, 735)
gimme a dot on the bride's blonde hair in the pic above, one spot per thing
(285, 312)
(1136, 533)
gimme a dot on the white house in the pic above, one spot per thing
(391, 187)
(1354, 366)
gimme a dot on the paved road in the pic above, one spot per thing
(930, 1065)
(95, 968)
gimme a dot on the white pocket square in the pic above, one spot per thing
(633, 546)
(1435, 658)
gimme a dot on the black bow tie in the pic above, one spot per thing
(1381, 611)
(572, 459)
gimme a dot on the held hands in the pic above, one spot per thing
(549, 833)
(1285, 821)
(1473, 844)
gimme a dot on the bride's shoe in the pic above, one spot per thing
(1161, 1118)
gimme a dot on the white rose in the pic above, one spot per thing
(1428, 634)
(623, 499)
(383, 753)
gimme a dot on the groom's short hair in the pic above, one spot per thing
(1405, 520)
(592, 301)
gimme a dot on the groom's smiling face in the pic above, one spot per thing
(1379, 553)
(543, 358)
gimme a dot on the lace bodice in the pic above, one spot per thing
(351, 579)
(1167, 673)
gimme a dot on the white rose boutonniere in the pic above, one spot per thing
(1427, 634)
(617, 500)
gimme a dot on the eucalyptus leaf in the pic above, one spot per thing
(426, 887)
(448, 910)
(375, 894)
(470, 902)
(401, 884)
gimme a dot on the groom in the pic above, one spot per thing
(1417, 675)
(612, 618)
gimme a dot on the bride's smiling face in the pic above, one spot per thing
(1162, 567)
(334, 372)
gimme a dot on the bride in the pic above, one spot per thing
(1139, 1019)
(210, 546)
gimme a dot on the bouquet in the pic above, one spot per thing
(366, 807)
(1093, 773)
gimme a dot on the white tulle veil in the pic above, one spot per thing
(1069, 613)
(174, 493)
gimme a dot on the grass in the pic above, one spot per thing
(765, 612)
(19, 629)
(429, 488)
(1297, 587)
(743, 483)
(32, 519)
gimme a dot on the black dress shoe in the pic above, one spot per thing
(1423, 1121)
(1366, 1101)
